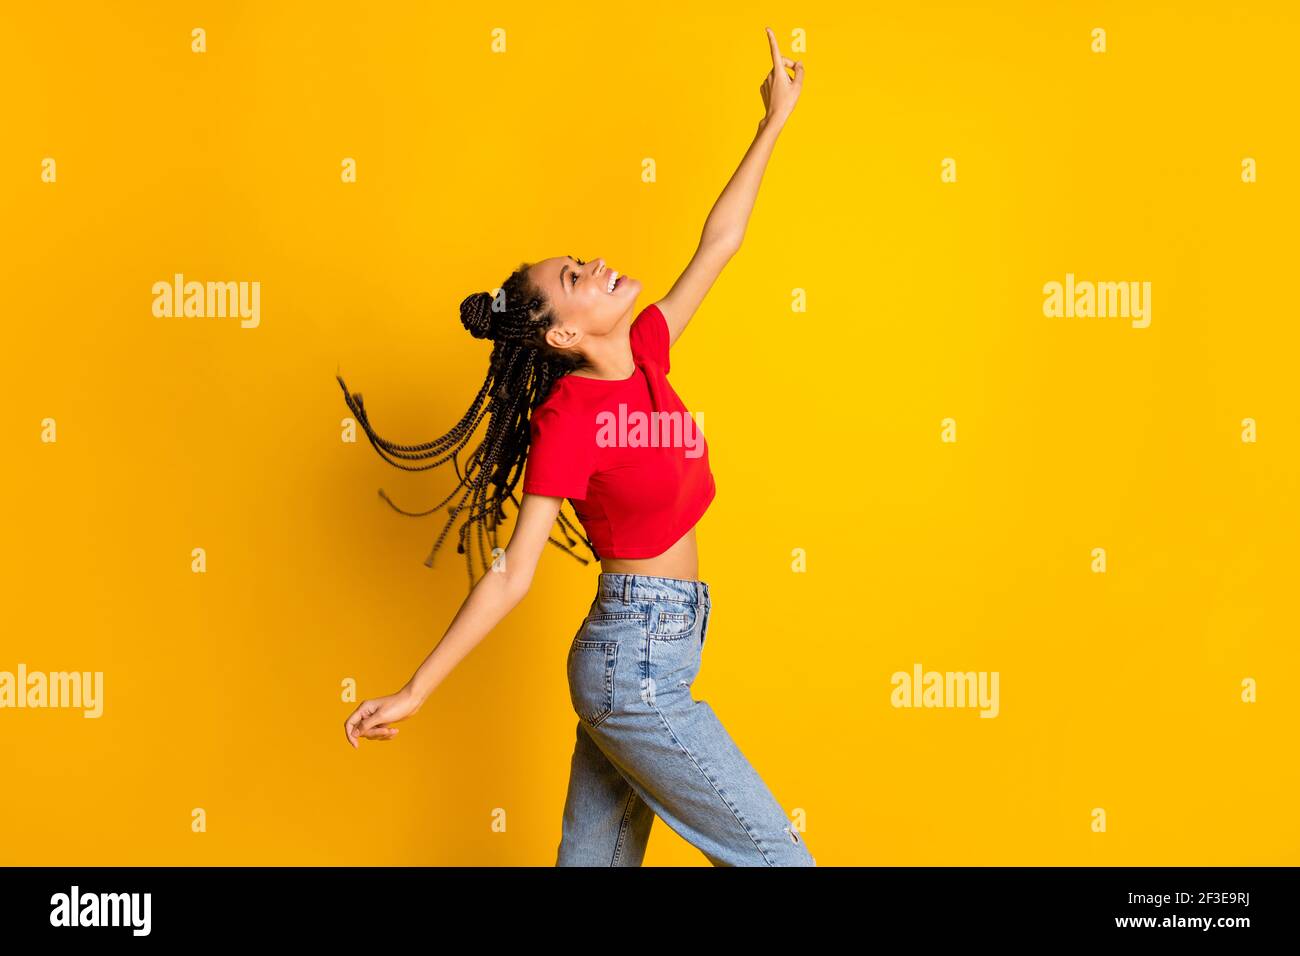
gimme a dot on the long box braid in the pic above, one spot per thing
(521, 371)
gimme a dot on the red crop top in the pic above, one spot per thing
(626, 452)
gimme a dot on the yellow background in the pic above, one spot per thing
(1119, 691)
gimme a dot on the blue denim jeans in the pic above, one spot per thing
(646, 747)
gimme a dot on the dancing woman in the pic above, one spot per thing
(575, 375)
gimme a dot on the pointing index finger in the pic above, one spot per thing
(776, 50)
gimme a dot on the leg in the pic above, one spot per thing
(675, 753)
(605, 822)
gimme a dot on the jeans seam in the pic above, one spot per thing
(704, 773)
(623, 827)
(739, 819)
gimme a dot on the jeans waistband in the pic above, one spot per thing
(629, 588)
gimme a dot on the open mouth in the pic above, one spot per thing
(614, 279)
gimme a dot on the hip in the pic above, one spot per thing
(631, 606)
(639, 645)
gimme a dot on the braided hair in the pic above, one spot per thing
(522, 368)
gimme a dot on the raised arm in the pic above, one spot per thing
(725, 227)
(493, 596)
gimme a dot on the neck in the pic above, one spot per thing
(609, 356)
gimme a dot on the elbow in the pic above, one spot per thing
(724, 245)
(517, 586)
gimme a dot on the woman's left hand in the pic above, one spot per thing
(780, 92)
(372, 717)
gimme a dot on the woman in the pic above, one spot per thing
(573, 381)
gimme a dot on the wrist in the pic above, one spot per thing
(773, 120)
(414, 693)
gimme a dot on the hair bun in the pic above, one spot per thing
(476, 314)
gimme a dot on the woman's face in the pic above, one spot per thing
(581, 297)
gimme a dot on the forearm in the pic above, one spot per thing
(727, 221)
(493, 597)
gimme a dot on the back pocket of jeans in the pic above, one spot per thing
(591, 679)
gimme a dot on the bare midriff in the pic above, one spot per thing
(681, 560)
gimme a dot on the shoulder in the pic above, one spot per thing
(560, 410)
(649, 336)
(562, 428)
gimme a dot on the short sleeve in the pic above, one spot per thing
(649, 336)
(560, 456)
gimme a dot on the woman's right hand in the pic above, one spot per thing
(491, 598)
(372, 717)
(780, 92)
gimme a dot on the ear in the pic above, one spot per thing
(563, 336)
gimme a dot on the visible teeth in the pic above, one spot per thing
(613, 277)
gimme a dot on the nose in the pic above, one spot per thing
(600, 266)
